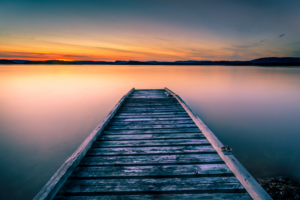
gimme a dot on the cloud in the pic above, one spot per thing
(281, 35)
(259, 42)
(249, 45)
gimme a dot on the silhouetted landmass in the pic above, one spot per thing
(270, 61)
(51, 62)
(131, 62)
(277, 61)
(93, 62)
(4, 61)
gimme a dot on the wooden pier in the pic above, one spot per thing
(152, 146)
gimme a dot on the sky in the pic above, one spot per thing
(162, 30)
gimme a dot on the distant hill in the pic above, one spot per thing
(269, 61)
(51, 62)
(4, 61)
(277, 61)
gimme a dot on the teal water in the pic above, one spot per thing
(47, 111)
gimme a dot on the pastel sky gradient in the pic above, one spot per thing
(163, 30)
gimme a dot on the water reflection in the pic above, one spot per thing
(47, 111)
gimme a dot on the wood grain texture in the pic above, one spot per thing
(160, 170)
(152, 136)
(150, 131)
(164, 122)
(217, 196)
(152, 116)
(152, 119)
(151, 159)
(163, 142)
(150, 150)
(162, 112)
(167, 184)
(157, 105)
(142, 126)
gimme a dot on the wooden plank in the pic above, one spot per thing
(157, 170)
(205, 196)
(169, 112)
(150, 150)
(59, 178)
(148, 100)
(250, 184)
(120, 123)
(151, 160)
(149, 106)
(157, 105)
(164, 184)
(147, 97)
(159, 116)
(142, 126)
(153, 108)
(151, 119)
(155, 95)
(164, 142)
(151, 136)
(147, 131)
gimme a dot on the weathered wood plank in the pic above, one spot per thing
(250, 184)
(151, 136)
(150, 150)
(164, 184)
(164, 142)
(142, 126)
(143, 107)
(158, 116)
(152, 109)
(158, 105)
(152, 119)
(165, 122)
(158, 170)
(152, 99)
(147, 97)
(144, 131)
(58, 179)
(151, 160)
(150, 96)
(152, 113)
(216, 196)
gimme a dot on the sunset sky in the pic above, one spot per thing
(163, 30)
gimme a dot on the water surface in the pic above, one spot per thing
(47, 111)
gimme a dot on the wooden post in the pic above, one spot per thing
(59, 178)
(245, 178)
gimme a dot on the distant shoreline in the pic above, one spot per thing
(270, 61)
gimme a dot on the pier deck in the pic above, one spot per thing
(151, 146)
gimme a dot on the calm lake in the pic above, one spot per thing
(47, 111)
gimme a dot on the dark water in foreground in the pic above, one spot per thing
(47, 111)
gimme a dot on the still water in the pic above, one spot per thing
(47, 111)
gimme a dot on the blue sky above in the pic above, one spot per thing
(149, 30)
